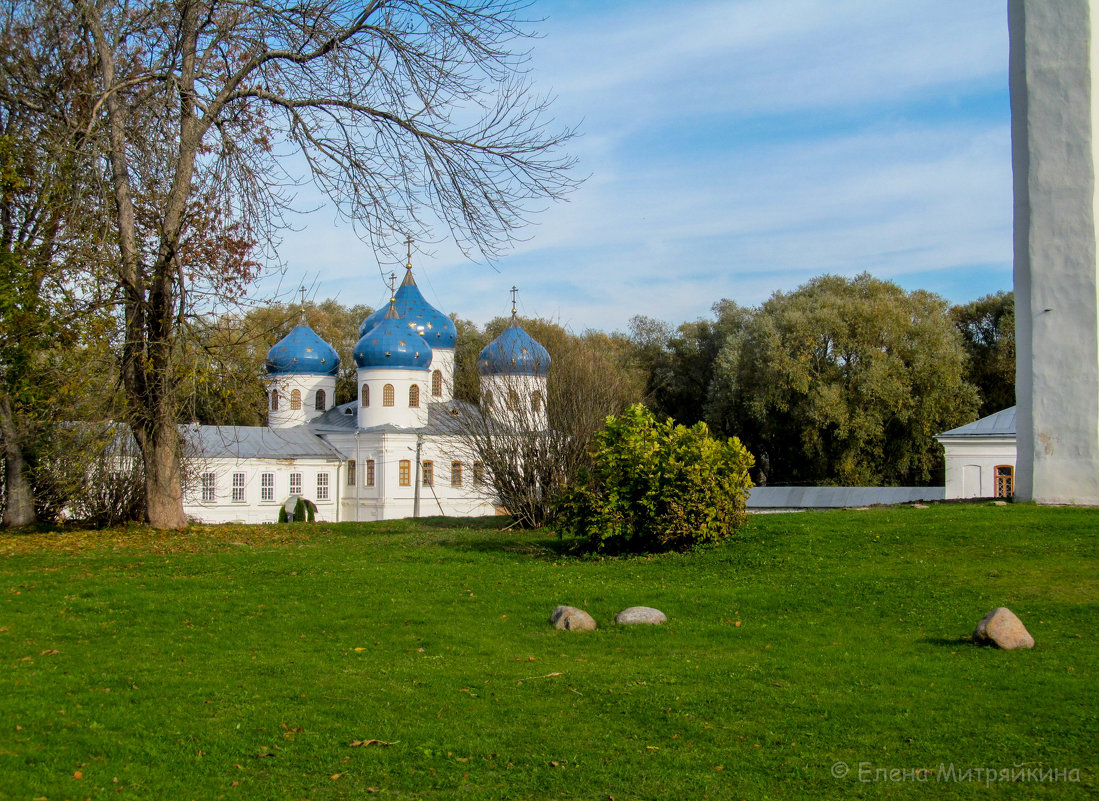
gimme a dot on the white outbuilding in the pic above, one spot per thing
(980, 457)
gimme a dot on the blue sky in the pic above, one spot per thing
(734, 149)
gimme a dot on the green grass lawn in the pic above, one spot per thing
(235, 662)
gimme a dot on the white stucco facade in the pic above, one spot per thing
(981, 457)
(1055, 152)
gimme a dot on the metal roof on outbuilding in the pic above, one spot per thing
(1000, 424)
(256, 442)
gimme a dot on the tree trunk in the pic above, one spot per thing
(160, 450)
(19, 496)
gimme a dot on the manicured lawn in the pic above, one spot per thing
(234, 662)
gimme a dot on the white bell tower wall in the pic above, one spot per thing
(1054, 66)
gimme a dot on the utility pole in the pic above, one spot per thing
(416, 491)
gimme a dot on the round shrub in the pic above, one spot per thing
(657, 486)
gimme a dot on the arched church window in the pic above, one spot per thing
(414, 396)
(320, 400)
(387, 395)
(513, 400)
(295, 399)
(274, 400)
(364, 395)
(437, 383)
(536, 402)
(488, 399)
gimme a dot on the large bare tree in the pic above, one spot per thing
(410, 114)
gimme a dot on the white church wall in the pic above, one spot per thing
(386, 478)
(252, 498)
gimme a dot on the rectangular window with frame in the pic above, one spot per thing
(295, 483)
(455, 474)
(404, 473)
(267, 486)
(238, 487)
(209, 486)
(428, 469)
(369, 477)
(351, 473)
(322, 486)
(478, 473)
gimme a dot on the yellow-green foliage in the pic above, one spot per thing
(658, 486)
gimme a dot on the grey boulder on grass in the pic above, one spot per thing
(569, 618)
(1002, 628)
(640, 615)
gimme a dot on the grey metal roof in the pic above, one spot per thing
(256, 442)
(1000, 424)
(441, 420)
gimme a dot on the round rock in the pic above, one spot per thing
(569, 618)
(640, 615)
(1002, 628)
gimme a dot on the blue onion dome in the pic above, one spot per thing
(439, 330)
(514, 352)
(302, 352)
(391, 344)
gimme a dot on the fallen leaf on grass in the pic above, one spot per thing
(547, 676)
(335, 776)
(49, 652)
(78, 775)
(365, 743)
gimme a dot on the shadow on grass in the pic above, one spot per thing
(949, 642)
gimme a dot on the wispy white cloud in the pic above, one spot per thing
(736, 148)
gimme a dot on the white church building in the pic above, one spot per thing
(396, 451)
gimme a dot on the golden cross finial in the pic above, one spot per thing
(408, 246)
(302, 290)
(392, 284)
(514, 298)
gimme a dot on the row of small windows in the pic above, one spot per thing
(208, 481)
(208, 484)
(320, 402)
(515, 402)
(388, 395)
(427, 473)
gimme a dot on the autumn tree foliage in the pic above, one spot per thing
(50, 230)
(843, 381)
(410, 114)
(987, 326)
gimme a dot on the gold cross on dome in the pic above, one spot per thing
(514, 299)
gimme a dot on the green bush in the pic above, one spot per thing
(657, 486)
(305, 511)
